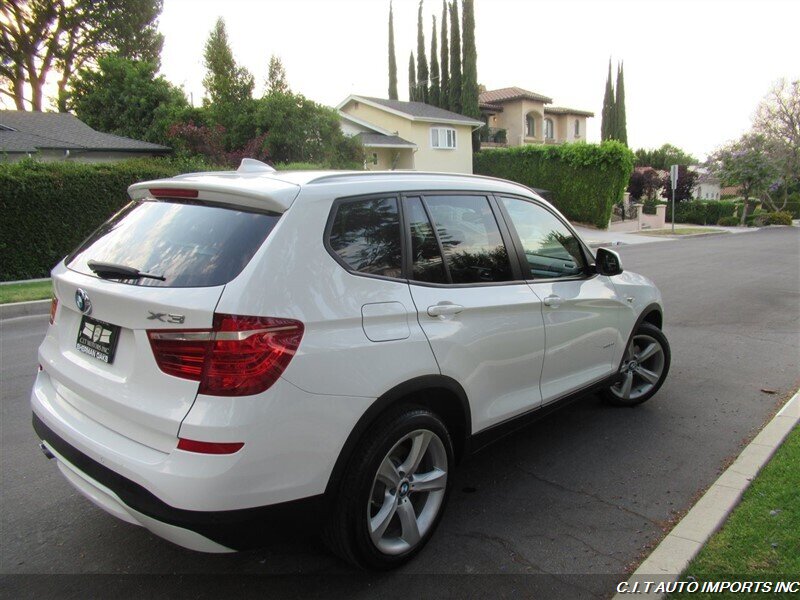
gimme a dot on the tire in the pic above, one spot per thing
(644, 367)
(358, 529)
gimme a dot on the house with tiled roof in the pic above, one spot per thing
(52, 136)
(514, 116)
(409, 135)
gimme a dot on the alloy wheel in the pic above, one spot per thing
(407, 492)
(641, 368)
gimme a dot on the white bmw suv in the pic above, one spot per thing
(234, 354)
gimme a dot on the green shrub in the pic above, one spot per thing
(586, 179)
(779, 218)
(701, 213)
(47, 209)
(728, 221)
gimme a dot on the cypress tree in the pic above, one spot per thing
(392, 61)
(412, 79)
(454, 93)
(225, 81)
(469, 79)
(433, 93)
(444, 88)
(619, 109)
(607, 130)
(422, 60)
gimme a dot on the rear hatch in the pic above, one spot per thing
(159, 264)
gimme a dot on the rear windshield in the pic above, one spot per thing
(189, 244)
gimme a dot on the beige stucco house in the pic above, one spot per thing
(515, 116)
(409, 135)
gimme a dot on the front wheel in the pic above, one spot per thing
(394, 492)
(644, 367)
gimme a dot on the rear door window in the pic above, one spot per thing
(470, 238)
(426, 259)
(189, 244)
(365, 235)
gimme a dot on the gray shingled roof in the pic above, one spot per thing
(24, 131)
(374, 140)
(420, 110)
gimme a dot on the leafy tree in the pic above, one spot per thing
(434, 97)
(392, 60)
(620, 121)
(662, 158)
(607, 124)
(778, 121)
(422, 60)
(444, 81)
(645, 184)
(125, 97)
(40, 38)
(747, 164)
(412, 79)
(225, 82)
(469, 82)
(686, 182)
(454, 94)
(276, 76)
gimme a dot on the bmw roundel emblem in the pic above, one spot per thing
(82, 302)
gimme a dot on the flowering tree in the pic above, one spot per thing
(746, 163)
(777, 119)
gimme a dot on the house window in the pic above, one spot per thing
(577, 128)
(374, 158)
(530, 126)
(548, 129)
(443, 138)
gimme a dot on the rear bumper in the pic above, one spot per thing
(205, 531)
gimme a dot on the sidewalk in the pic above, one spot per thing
(600, 237)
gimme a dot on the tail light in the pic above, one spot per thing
(239, 356)
(53, 309)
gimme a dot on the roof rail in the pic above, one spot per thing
(370, 174)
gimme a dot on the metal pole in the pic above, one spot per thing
(673, 209)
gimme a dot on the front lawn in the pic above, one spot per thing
(22, 292)
(761, 539)
(681, 231)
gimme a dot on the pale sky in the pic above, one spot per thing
(694, 69)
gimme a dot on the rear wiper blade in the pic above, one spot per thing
(114, 271)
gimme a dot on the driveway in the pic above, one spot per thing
(564, 507)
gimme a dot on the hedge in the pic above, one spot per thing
(47, 209)
(586, 179)
(701, 213)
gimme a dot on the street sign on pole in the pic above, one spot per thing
(673, 176)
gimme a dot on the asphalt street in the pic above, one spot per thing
(566, 506)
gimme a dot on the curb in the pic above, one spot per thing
(24, 309)
(687, 538)
(40, 280)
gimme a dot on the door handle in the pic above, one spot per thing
(444, 309)
(553, 301)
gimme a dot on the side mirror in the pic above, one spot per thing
(608, 262)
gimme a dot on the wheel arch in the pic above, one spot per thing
(653, 314)
(441, 394)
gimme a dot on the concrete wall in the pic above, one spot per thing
(427, 158)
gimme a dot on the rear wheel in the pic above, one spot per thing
(644, 367)
(393, 494)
